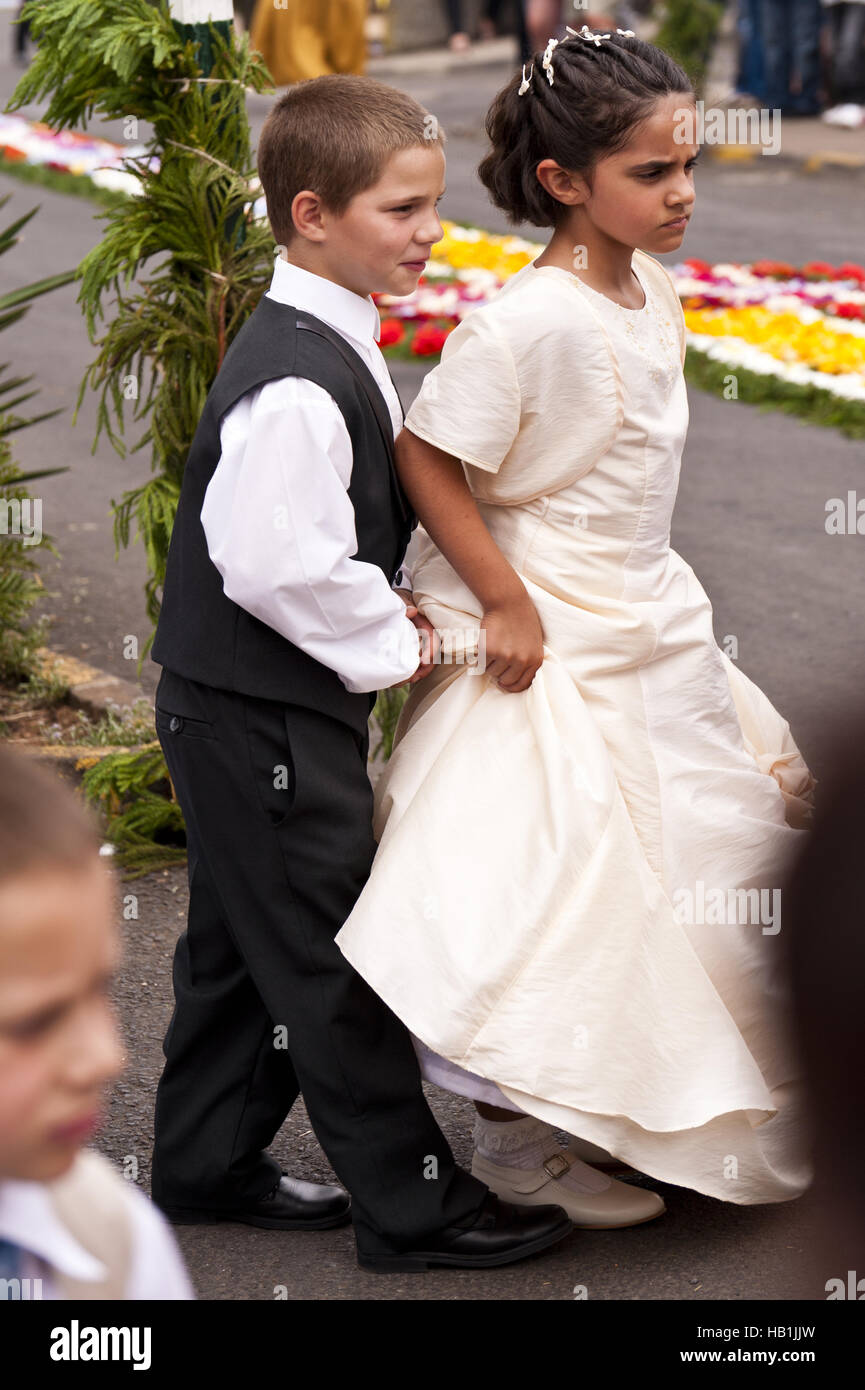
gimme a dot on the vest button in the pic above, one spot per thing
(176, 724)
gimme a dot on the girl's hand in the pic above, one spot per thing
(514, 642)
(511, 644)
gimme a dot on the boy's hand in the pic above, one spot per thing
(514, 643)
(429, 647)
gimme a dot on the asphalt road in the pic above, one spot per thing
(750, 519)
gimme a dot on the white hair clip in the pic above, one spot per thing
(597, 39)
(547, 61)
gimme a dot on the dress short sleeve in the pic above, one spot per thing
(469, 403)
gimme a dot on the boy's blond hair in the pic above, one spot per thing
(43, 825)
(334, 134)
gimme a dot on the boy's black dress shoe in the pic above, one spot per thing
(292, 1205)
(501, 1234)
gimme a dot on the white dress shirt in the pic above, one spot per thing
(278, 520)
(28, 1218)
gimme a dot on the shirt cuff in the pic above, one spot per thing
(403, 577)
(399, 652)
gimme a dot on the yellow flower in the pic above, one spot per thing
(465, 248)
(785, 337)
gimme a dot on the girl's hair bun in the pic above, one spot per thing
(599, 94)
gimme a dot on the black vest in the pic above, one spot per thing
(202, 634)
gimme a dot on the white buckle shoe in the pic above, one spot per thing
(597, 1157)
(614, 1205)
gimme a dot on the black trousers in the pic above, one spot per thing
(278, 809)
(491, 9)
(848, 54)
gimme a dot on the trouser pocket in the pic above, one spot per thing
(182, 708)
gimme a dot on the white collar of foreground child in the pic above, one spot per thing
(28, 1218)
(340, 308)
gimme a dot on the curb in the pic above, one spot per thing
(93, 691)
(807, 163)
(90, 688)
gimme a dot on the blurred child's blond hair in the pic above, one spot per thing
(43, 824)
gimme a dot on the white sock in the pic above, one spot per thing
(514, 1143)
(526, 1143)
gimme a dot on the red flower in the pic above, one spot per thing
(698, 267)
(779, 270)
(392, 332)
(850, 311)
(818, 270)
(850, 271)
(429, 340)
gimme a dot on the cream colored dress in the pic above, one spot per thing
(558, 905)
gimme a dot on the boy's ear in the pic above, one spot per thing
(306, 212)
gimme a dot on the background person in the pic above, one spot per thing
(847, 21)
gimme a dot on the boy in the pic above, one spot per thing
(70, 1227)
(278, 626)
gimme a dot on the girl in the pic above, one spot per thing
(574, 904)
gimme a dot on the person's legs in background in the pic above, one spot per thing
(751, 77)
(848, 54)
(791, 43)
(22, 38)
(544, 21)
(490, 25)
(523, 42)
(775, 31)
(458, 40)
(243, 12)
(806, 21)
(344, 24)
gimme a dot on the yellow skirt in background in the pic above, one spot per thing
(309, 37)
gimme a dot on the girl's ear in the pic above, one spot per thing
(564, 187)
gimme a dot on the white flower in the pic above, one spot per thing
(734, 352)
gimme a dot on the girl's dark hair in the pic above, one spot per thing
(598, 95)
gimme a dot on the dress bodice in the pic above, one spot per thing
(529, 392)
(627, 498)
(581, 501)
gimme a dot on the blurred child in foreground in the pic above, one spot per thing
(70, 1226)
